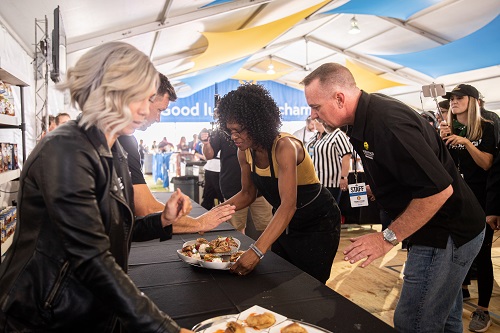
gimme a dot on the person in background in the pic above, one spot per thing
(52, 123)
(331, 153)
(490, 115)
(307, 132)
(194, 143)
(142, 152)
(154, 146)
(182, 146)
(444, 106)
(66, 270)
(414, 179)
(431, 118)
(62, 118)
(165, 146)
(52, 126)
(144, 201)
(212, 195)
(305, 228)
(471, 142)
(198, 149)
(493, 196)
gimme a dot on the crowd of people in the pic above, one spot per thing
(83, 198)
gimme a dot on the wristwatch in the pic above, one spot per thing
(342, 177)
(390, 236)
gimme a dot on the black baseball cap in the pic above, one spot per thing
(444, 104)
(463, 90)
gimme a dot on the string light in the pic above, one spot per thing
(270, 67)
(354, 26)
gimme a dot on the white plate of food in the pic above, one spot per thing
(235, 324)
(189, 257)
(221, 265)
(253, 320)
(220, 245)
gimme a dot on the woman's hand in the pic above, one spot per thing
(177, 205)
(444, 130)
(456, 140)
(245, 263)
(343, 184)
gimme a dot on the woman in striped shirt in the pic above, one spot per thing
(331, 152)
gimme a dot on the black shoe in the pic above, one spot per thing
(465, 294)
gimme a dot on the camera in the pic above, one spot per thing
(434, 90)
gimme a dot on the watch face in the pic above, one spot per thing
(390, 236)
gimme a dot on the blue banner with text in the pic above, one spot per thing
(199, 106)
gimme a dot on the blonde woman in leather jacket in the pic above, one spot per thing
(66, 269)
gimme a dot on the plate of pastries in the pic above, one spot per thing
(219, 253)
(256, 320)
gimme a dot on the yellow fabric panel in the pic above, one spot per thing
(306, 174)
(228, 46)
(369, 81)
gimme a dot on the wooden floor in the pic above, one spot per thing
(376, 287)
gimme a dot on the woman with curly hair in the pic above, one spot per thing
(305, 228)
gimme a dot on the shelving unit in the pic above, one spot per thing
(10, 122)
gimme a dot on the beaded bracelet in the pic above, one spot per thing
(257, 251)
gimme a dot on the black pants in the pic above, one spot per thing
(484, 270)
(211, 191)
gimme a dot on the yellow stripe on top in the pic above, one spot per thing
(306, 174)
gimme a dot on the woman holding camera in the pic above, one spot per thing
(471, 143)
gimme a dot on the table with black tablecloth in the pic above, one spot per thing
(191, 294)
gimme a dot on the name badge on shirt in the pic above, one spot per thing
(357, 194)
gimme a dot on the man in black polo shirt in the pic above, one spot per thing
(144, 201)
(414, 179)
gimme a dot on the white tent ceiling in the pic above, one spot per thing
(170, 32)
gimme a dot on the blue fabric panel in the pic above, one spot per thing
(478, 50)
(210, 76)
(388, 8)
(215, 3)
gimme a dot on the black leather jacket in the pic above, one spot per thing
(66, 269)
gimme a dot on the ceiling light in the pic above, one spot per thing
(270, 67)
(354, 26)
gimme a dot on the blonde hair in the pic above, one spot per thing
(474, 119)
(105, 80)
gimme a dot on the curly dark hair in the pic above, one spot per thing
(252, 107)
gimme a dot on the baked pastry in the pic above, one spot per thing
(293, 328)
(234, 327)
(236, 255)
(261, 321)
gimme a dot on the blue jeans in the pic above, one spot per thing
(431, 298)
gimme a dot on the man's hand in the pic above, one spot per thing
(215, 216)
(370, 246)
(177, 205)
(369, 193)
(493, 221)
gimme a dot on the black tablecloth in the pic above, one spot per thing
(192, 294)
